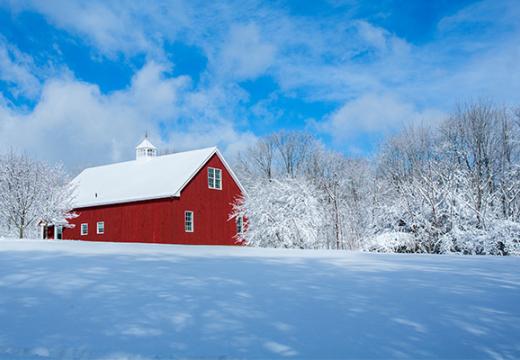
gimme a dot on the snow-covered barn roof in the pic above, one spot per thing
(155, 178)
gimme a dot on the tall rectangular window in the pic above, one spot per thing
(240, 225)
(188, 221)
(58, 232)
(84, 229)
(101, 227)
(214, 178)
(218, 179)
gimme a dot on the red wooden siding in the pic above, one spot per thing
(162, 220)
(50, 232)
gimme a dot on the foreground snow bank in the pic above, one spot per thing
(103, 300)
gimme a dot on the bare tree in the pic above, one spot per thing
(262, 156)
(294, 149)
(328, 171)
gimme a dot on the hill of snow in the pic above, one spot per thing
(101, 300)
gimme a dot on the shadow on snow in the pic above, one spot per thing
(163, 306)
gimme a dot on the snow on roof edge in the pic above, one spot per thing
(123, 201)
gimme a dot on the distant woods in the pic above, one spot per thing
(450, 188)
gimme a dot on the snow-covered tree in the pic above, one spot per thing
(31, 191)
(328, 173)
(454, 187)
(455, 180)
(282, 213)
(343, 191)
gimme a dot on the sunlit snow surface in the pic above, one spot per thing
(85, 300)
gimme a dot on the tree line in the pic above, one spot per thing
(452, 187)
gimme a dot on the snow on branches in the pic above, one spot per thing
(30, 192)
(282, 213)
(454, 187)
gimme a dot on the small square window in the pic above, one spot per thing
(84, 229)
(188, 221)
(101, 227)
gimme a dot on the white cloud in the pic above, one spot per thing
(484, 13)
(113, 27)
(15, 69)
(375, 114)
(209, 117)
(378, 79)
(373, 35)
(152, 93)
(75, 123)
(224, 135)
(245, 53)
(333, 62)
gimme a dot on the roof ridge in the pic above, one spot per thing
(150, 159)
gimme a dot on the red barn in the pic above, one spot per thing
(181, 198)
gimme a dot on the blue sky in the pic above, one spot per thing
(81, 81)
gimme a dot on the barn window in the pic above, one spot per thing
(84, 229)
(240, 225)
(214, 178)
(58, 233)
(188, 221)
(101, 227)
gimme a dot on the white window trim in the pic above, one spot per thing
(213, 186)
(192, 221)
(97, 228)
(81, 229)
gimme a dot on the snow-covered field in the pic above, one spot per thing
(102, 300)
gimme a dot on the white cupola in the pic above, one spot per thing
(145, 150)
